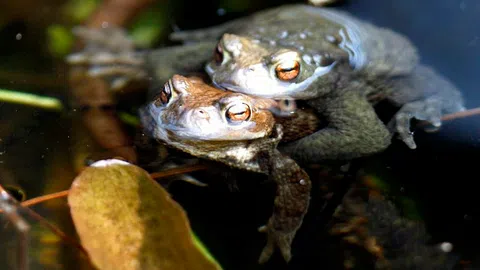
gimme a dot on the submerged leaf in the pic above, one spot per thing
(125, 220)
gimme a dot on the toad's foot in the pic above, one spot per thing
(291, 203)
(276, 239)
(110, 54)
(429, 110)
(424, 95)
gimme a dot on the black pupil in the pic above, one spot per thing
(164, 96)
(218, 55)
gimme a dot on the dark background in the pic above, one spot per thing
(441, 175)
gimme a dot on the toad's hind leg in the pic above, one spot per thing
(354, 130)
(424, 95)
(291, 203)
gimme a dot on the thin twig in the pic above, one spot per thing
(44, 198)
(462, 114)
(156, 175)
(453, 116)
(179, 170)
(50, 226)
(56, 230)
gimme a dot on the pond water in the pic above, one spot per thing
(36, 149)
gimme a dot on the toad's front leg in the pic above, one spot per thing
(290, 206)
(354, 130)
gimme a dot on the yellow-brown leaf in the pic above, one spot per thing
(125, 220)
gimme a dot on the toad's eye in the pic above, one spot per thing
(238, 113)
(287, 106)
(218, 54)
(164, 96)
(287, 70)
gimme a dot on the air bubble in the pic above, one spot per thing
(221, 12)
(446, 247)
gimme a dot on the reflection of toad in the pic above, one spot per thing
(341, 65)
(368, 222)
(239, 131)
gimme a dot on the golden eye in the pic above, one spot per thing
(164, 96)
(218, 54)
(238, 113)
(287, 70)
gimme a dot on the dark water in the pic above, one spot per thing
(441, 174)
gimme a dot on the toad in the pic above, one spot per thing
(239, 131)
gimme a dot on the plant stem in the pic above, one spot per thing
(47, 103)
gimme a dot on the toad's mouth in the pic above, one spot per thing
(219, 86)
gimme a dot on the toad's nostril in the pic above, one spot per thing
(202, 114)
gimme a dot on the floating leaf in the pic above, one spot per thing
(125, 220)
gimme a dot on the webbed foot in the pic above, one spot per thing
(110, 54)
(429, 110)
(275, 239)
(425, 96)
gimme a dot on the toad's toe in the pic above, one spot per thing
(429, 110)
